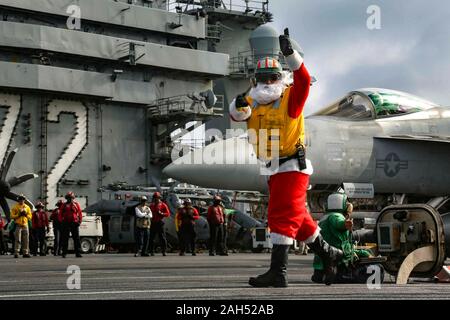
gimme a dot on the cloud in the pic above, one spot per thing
(411, 52)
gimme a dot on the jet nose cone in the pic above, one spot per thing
(177, 172)
(228, 164)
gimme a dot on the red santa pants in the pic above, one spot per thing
(287, 214)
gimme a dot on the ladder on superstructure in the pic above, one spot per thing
(43, 148)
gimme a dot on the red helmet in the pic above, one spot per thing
(157, 195)
(39, 205)
(70, 194)
(59, 203)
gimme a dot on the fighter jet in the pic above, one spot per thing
(389, 140)
(389, 149)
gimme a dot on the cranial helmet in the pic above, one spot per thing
(157, 195)
(70, 194)
(337, 202)
(268, 69)
(39, 205)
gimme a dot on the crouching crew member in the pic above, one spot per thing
(187, 215)
(159, 211)
(71, 218)
(337, 230)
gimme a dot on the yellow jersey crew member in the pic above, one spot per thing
(274, 115)
(21, 214)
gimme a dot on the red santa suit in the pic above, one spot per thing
(288, 216)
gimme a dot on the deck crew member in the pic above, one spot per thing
(55, 218)
(337, 231)
(71, 218)
(273, 111)
(2, 244)
(216, 222)
(143, 221)
(160, 211)
(39, 229)
(21, 214)
(187, 215)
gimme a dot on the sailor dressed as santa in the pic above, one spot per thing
(273, 111)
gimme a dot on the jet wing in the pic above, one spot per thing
(419, 138)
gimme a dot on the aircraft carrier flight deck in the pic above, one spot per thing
(122, 276)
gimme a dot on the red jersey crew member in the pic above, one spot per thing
(56, 221)
(187, 215)
(160, 211)
(216, 221)
(71, 218)
(40, 228)
(274, 112)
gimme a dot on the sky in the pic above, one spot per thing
(410, 52)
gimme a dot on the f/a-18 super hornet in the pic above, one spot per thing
(384, 147)
(390, 140)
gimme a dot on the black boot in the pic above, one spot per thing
(276, 276)
(317, 277)
(329, 255)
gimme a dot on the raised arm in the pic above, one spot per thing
(302, 81)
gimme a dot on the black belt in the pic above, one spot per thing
(299, 155)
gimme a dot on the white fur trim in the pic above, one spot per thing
(287, 77)
(314, 236)
(277, 238)
(239, 115)
(292, 165)
(294, 61)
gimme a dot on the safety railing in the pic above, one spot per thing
(245, 6)
(184, 104)
(214, 31)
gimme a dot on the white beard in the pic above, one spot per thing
(267, 93)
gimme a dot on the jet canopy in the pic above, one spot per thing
(369, 104)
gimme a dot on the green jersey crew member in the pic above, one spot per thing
(336, 229)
